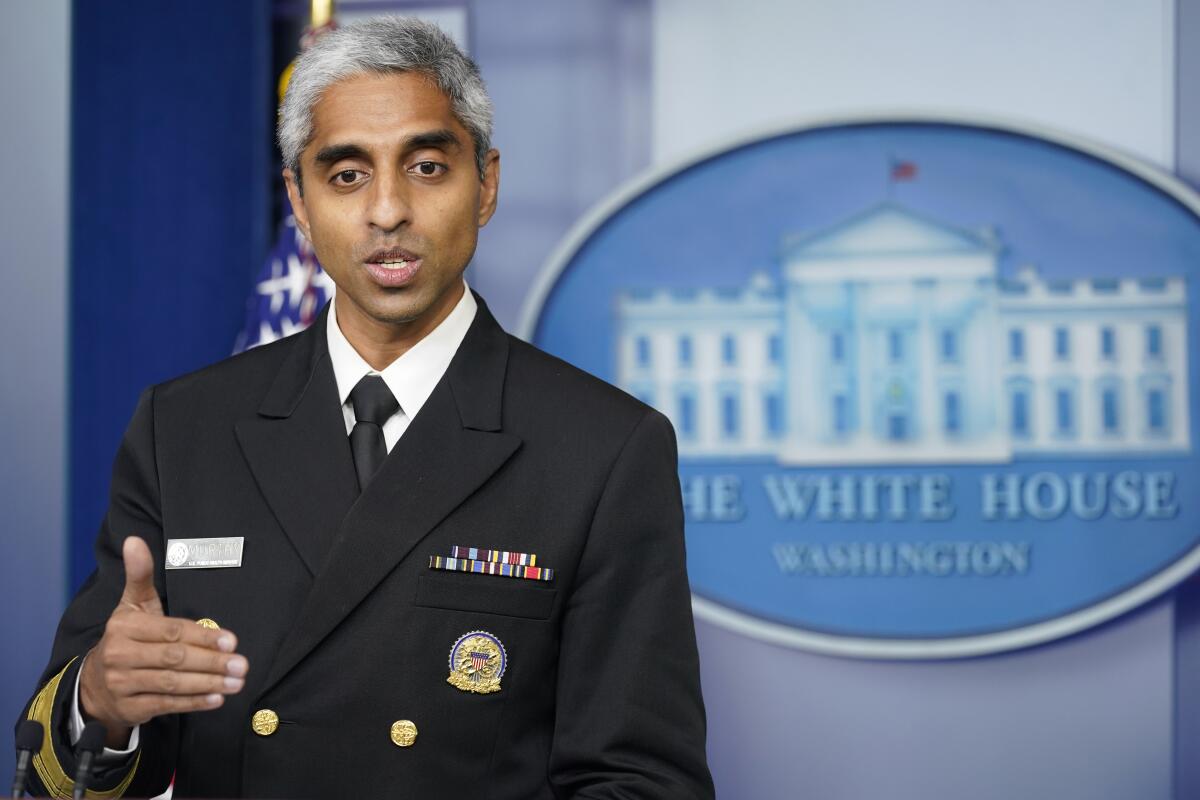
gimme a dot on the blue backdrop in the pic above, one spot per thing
(171, 114)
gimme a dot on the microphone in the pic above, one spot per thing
(29, 741)
(91, 743)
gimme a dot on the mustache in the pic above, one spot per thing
(388, 251)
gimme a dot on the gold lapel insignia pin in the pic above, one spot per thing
(477, 662)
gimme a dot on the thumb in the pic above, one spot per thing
(139, 576)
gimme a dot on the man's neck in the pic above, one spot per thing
(381, 343)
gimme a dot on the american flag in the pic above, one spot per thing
(478, 660)
(291, 287)
(290, 291)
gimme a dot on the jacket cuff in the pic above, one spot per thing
(54, 767)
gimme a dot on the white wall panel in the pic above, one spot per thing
(1103, 69)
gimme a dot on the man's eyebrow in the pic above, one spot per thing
(444, 139)
(336, 152)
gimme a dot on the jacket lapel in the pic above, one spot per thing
(450, 449)
(298, 450)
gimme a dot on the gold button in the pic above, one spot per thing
(208, 623)
(264, 722)
(404, 733)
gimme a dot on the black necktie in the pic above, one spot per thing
(373, 404)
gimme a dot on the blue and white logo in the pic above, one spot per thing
(931, 380)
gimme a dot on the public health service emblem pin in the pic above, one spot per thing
(477, 662)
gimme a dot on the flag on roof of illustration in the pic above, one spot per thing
(903, 170)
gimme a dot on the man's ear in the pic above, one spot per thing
(489, 188)
(297, 200)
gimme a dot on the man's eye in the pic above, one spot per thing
(429, 169)
(346, 177)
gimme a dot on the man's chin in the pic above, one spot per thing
(412, 312)
(405, 307)
(403, 316)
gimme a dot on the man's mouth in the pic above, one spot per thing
(393, 267)
(395, 258)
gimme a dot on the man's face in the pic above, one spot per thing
(392, 201)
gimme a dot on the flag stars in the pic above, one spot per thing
(267, 334)
(291, 290)
(293, 281)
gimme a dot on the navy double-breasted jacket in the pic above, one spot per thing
(347, 628)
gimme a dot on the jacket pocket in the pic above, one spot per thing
(483, 593)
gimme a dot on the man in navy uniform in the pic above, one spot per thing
(402, 551)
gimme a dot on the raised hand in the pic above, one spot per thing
(147, 664)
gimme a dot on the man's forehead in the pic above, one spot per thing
(375, 109)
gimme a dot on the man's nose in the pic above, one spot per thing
(389, 207)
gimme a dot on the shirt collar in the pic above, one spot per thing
(413, 375)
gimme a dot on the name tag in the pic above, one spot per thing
(204, 553)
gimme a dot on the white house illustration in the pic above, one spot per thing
(893, 339)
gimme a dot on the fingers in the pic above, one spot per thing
(154, 629)
(139, 576)
(171, 682)
(175, 656)
(123, 698)
(148, 706)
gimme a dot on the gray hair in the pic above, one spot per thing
(383, 45)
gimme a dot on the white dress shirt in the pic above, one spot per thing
(411, 377)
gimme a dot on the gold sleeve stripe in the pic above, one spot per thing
(46, 762)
